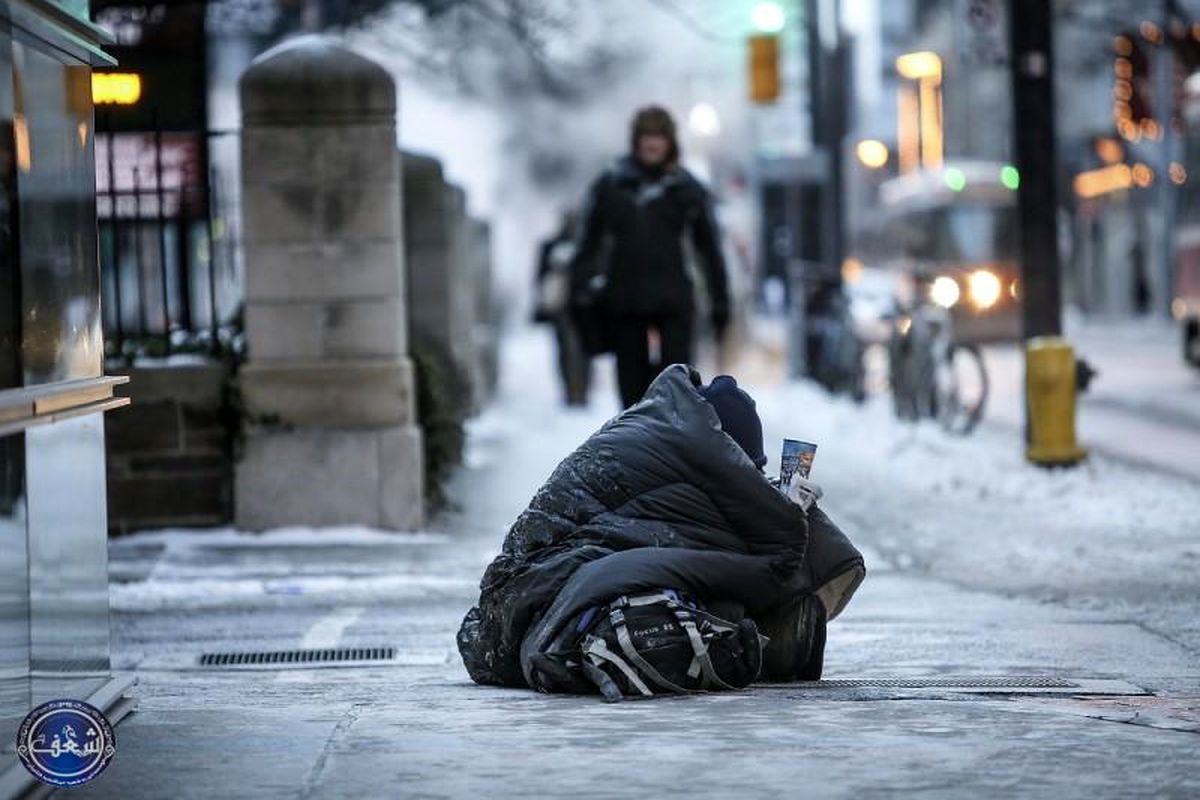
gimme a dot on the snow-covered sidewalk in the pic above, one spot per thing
(1143, 406)
(979, 565)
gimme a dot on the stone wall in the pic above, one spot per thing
(169, 462)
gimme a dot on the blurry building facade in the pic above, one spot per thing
(1119, 238)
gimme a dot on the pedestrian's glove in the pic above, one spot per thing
(804, 492)
(589, 293)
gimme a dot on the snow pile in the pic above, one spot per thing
(195, 569)
(974, 510)
(296, 536)
(158, 594)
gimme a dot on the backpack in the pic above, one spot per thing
(660, 643)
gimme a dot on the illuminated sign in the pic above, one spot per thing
(916, 66)
(920, 124)
(116, 88)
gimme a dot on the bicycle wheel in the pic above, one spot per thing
(961, 389)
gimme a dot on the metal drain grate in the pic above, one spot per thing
(329, 656)
(1013, 681)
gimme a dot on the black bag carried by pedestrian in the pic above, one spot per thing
(590, 317)
(657, 643)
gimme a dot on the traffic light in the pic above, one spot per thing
(768, 20)
(764, 67)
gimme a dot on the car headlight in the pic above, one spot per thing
(944, 291)
(983, 288)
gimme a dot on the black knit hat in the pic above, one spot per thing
(738, 416)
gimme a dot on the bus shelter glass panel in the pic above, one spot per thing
(56, 178)
(68, 558)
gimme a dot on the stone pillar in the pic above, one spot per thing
(328, 387)
(462, 281)
(486, 332)
(439, 281)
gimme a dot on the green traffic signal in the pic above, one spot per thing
(1010, 177)
(955, 179)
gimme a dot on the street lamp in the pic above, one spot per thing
(704, 121)
(768, 17)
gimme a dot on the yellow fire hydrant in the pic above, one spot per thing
(1050, 397)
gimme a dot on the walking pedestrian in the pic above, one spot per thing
(629, 271)
(552, 307)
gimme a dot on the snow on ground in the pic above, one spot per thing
(160, 593)
(296, 536)
(966, 509)
(1144, 404)
(1106, 534)
(186, 569)
(987, 469)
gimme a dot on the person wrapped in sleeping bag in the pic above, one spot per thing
(670, 494)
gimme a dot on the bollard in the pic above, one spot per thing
(1050, 402)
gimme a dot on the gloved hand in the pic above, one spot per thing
(804, 492)
(589, 294)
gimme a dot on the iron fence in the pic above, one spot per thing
(168, 218)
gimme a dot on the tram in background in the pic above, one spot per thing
(950, 237)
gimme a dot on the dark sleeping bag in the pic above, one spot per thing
(660, 497)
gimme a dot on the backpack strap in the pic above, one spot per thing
(607, 686)
(630, 651)
(595, 649)
(644, 600)
(688, 624)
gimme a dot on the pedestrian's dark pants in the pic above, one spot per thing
(635, 370)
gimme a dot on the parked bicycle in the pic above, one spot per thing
(932, 375)
(837, 354)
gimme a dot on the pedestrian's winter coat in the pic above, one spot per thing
(633, 227)
(660, 497)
